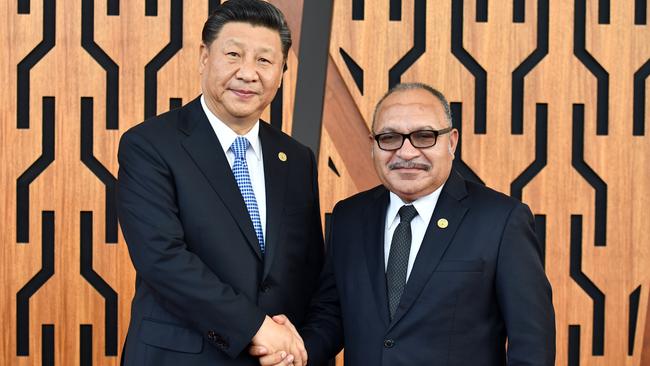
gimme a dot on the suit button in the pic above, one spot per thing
(222, 343)
(218, 340)
(389, 343)
(212, 336)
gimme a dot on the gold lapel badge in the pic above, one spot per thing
(282, 156)
(443, 223)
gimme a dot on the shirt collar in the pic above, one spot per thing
(227, 136)
(424, 205)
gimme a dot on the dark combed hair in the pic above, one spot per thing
(254, 12)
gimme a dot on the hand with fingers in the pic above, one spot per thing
(271, 354)
(277, 342)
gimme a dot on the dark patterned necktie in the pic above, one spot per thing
(398, 258)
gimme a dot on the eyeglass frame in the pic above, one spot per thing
(405, 136)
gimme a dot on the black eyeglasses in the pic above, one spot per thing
(391, 141)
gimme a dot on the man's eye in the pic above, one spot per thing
(425, 134)
(232, 54)
(388, 138)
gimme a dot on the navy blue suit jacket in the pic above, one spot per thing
(202, 286)
(474, 284)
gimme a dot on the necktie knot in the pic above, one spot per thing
(407, 213)
(239, 147)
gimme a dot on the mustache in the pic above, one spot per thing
(409, 165)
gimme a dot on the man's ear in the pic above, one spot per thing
(203, 57)
(453, 142)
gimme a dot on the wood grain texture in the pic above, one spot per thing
(546, 108)
(557, 84)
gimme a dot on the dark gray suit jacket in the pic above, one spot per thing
(474, 284)
(202, 285)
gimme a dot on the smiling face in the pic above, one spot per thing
(412, 172)
(241, 70)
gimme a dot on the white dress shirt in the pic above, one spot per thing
(424, 206)
(254, 159)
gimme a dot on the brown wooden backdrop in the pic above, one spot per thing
(551, 98)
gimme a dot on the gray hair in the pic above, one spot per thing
(414, 86)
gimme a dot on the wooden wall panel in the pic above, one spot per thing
(529, 82)
(364, 42)
(551, 99)
(77, 75)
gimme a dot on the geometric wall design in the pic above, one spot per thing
(552, 99)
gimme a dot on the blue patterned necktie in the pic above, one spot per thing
(240, 170)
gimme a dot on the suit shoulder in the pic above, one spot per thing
(491, 198)
(157, 135)
(358, 201)
(155, 126)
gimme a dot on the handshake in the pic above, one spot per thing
(277, 342)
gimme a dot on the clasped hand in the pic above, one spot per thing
(277, 342)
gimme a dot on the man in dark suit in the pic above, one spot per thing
(428, 269)
(219, 210)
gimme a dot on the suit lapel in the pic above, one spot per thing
(374, 227)
(435, 242)
(275, 178)
(205, 150)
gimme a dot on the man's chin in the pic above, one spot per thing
(243, 112)
(408, 195)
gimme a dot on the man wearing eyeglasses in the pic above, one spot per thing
(428, 269)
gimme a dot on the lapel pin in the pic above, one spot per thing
(443, 223)
(282, 156)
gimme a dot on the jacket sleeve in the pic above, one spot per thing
(524, 293)
(182, 283)
(323, 329)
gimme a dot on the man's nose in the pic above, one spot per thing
(407, 151)
(247, 71)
